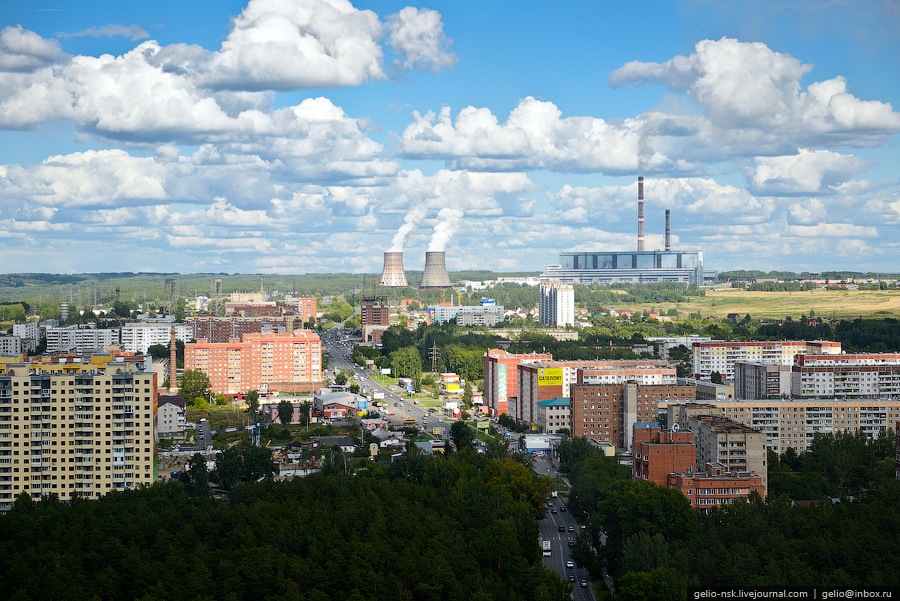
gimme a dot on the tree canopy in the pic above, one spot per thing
(423, 529)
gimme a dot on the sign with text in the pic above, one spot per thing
(550, 376)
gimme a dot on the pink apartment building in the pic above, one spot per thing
(276, 361)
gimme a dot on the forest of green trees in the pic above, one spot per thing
(424, 528)
(656, 546)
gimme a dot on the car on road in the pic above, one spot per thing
(570, 564)
(562, 507)
(562, 528)
(553, 510)
(571, 577)
(571, 528)
(571, 542)
(584, 584)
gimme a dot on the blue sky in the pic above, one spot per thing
(280, 136)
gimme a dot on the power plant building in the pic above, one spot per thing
(629, 267)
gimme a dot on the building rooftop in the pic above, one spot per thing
(557, 402)
(724, 424)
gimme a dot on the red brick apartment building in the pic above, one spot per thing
(606, 412)
(716, 487)
(227, 329)
(658, 454)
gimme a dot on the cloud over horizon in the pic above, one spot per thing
(265, 150)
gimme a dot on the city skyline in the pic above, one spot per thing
(311, 136)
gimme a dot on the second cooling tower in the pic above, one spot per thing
(435, 274)
(393, 276)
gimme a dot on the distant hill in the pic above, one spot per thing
(85, 288)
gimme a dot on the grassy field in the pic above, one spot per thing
(841, 304)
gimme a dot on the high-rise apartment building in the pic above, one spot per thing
(720, 356)
(307, 308)
(556, 305)
(82, 434)
(761, 380)
(375, 317)
(278, 361)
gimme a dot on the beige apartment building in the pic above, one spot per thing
(793, 423)
(69, 434)
(736, 447)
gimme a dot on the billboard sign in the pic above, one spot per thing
(550, 376)
(483, 425)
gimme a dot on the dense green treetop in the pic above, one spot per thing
(427, 528)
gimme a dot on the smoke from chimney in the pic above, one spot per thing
(410, 222)
(640, 213)
(668, 232)
(445, 228)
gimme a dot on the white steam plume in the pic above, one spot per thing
(410, 224)
(446, 226)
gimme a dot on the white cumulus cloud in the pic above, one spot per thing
(807, 172)
(279, 45)
(535, 136)
(417, 37)
(23, 50)
(744, 86)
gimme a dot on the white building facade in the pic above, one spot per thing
(557, 304)
(139, 337)
(80, 339)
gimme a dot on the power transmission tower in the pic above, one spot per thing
(435, 354)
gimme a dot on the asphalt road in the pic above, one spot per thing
(559, 541)
(405, 408)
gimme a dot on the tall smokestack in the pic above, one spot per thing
(668, 232)
(173, 364)
(640, 213)
(393, 275)
(435, 274)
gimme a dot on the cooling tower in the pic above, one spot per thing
(393, 275)
(435, 275)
